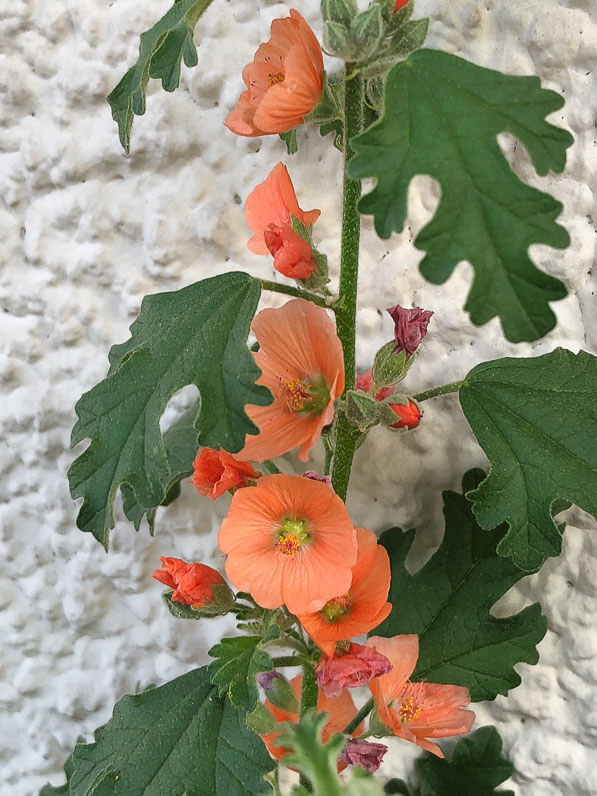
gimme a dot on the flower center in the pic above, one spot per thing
(275, 77)
(304, 395)
(408, 710)
(292, 536)
(336, 608)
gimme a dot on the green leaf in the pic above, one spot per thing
(180, 441)
(536, 420)
(447, 604)
(442, 117)
(196, 335)
(178, 738)
(161, 50)
(289, 139)
(476, 766)
(315, 760)
(238, 661)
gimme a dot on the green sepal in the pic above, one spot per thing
(337, 40)
(223, 600)
(362, 410)
(389, 368)
(341, 11)
(282, 695)
(260, 720)
(366, 30)
(290, 141)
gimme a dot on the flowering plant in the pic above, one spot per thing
(304, 582)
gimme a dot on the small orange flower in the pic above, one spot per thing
(283, 82)
(409, 415)
(302, 364)
(192, 583)
(417, 711)
(215, 472)
(363, 607)
(268, 210)
(341, 711)
(289, 541)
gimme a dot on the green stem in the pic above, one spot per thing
(271, 467)
(453, 386)
(276, 287)
(363, 713)
(346, 435)
(309, 694)
(288, 660)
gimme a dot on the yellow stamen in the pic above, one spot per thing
(289, 544)
(336, 608)
(408, 711)
(275, 77)
(291, 536)
(294, 393)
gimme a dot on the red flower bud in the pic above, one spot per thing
(349, 669)
(192, 583)
(218, 471)
(409, 415)
(410, 327)
(400, 4)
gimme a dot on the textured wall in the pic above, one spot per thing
(86, 232)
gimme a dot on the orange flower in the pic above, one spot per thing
(340, 710)
(362, 607)
(289, 541)
(409, 415)
(283, 82)
(268, 212)
(192, 583)
(215, 472)
(417, 711)
(302, 364)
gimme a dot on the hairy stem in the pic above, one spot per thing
(444, 389)
(288, 660)
(363, 712)
(276, 287)
(346, 435)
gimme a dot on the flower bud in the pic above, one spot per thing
(403, 412)
(390, 366)
(362, 410)
(278, 691)
(199, 587)
(366, 30)
(410, 327)
(341, 11)
(261, 720)
(349, 669)
(217, 471)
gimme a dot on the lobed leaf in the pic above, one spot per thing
(178, 738)
(447, 604)
(196, 335)
(536, 420)
(442, 118)
(161, 50)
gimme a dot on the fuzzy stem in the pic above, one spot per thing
(363, 712)
(444, 389)
(277, 287)
(288, 660)
(346, 434)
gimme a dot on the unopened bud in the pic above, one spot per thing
(389, 367)
(366, 30)
(401, 413)
(261, 720)
(362, 410)
(197, 590)
(278, 691)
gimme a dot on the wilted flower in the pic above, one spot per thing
(215, 472)
(349, 669)
(283, 82)
(323, 479)
(193, 584)
(408, 415)
(268, 210)
(365, 754)
(363, 607)
(302, 364)
(289, 541)
(410, 327)
(417, 711)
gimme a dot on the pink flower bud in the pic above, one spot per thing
(364, 754)
(410, 327)
(349, 669)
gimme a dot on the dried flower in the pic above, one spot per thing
(417, 711)
(268, 211)
(301, 362)
(323, 479)
(365, 754)
(289, 541)
(215, 472)
(410, 327)
(283, 83)
(349, 669)
(363, 607)
(193, 584)
(409, 415)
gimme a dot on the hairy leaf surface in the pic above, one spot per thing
(447, 604)
(442, 118)
(161, 51)
(196, 335)
(178, 738)
(536, 420)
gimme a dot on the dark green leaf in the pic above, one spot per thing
(337, 128)
(475, 768)
(178, 738)
(180, 441)
(442, 118)
(196, 335)
(397, 786)
(289, 139)
(161, 50)
(447, 604)
(238, 661)
(536, 420)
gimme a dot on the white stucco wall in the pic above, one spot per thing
(85, 232)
